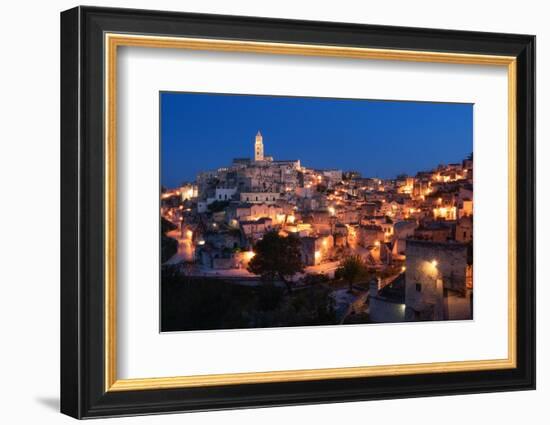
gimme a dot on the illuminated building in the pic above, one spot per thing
(437, 281)
(259, 148)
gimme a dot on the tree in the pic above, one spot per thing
(277, 257)
(218, 206)
(352, 269)
(169, 248)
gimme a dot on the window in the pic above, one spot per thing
(418, 287)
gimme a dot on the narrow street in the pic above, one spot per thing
(186, 250)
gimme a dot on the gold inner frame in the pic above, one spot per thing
(113, 41)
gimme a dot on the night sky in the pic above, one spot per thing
(202, 132)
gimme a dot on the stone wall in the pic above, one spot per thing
(432, 268)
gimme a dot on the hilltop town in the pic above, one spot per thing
(413, 233)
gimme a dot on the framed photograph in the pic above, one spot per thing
(261, 212)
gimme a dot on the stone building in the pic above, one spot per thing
(316, 249)
(436, 231)
(437, 285)
(464, 231)
(259, 148)
(224, 193)
(369, 235)
(260, 197)
(255, 230)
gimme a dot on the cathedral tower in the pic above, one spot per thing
(259, 148)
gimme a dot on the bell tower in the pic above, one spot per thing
(259, 147)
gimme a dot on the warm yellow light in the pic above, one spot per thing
(201, 242)
(377, 243)
(403, 268)
(317, 254)
(325, 242)
(249, 255)
(434, 263)
(331, 210)
(189, 234)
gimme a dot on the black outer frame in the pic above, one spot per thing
(82, 212)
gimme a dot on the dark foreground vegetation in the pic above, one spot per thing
(197, 303)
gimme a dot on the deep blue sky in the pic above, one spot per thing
(378, 138)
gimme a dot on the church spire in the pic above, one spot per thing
(259, 147)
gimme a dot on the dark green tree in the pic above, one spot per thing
(218, 206)
(352, 269)
(277, 257)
